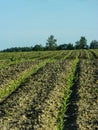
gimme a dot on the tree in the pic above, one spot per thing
(70, 46)
(38, 48)
(77, 46)
(51, 43)
(62, 47)
(81, 44)
(94, 44)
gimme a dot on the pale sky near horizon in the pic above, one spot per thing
(30, 22)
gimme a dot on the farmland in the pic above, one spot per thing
(49, 90)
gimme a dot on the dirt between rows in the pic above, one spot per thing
(35, 105)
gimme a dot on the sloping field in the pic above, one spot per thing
(52, 90)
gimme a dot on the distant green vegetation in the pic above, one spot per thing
(51, 44)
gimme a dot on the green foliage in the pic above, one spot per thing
(14, 84)
(18, 49)
(69, 84)
(94, 44)
(62, 47)
(70, 46)
(51, 43)
(38, 48)
(65, 47)
(81, 44)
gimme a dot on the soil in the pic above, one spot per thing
(36, 103)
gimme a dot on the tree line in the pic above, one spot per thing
(51, 44)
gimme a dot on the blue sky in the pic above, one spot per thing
(30, 22)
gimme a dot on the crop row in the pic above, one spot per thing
(24, 56)
(33, 90)
(12, 72)
(82, 113)
(12, 83)
(88, 54)
(37, 102)
(87, 117)
(56, 91)
(16, 58)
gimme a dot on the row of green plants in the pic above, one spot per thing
(56, 68)
(17, 58)
(13, 58)
(23, 56)
(13, 71)
(70, 79)
(88, 54)
(14, 84)
(87, 116)
(67, 55)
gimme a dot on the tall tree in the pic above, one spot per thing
(51, 43)
(77, 46)
(82, 43)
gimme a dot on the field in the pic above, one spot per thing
(49, 90)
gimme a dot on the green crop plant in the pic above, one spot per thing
(87, 52)
(14, 84)
(68, 54)
(69, 83)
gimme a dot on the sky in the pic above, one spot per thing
(30, 22)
